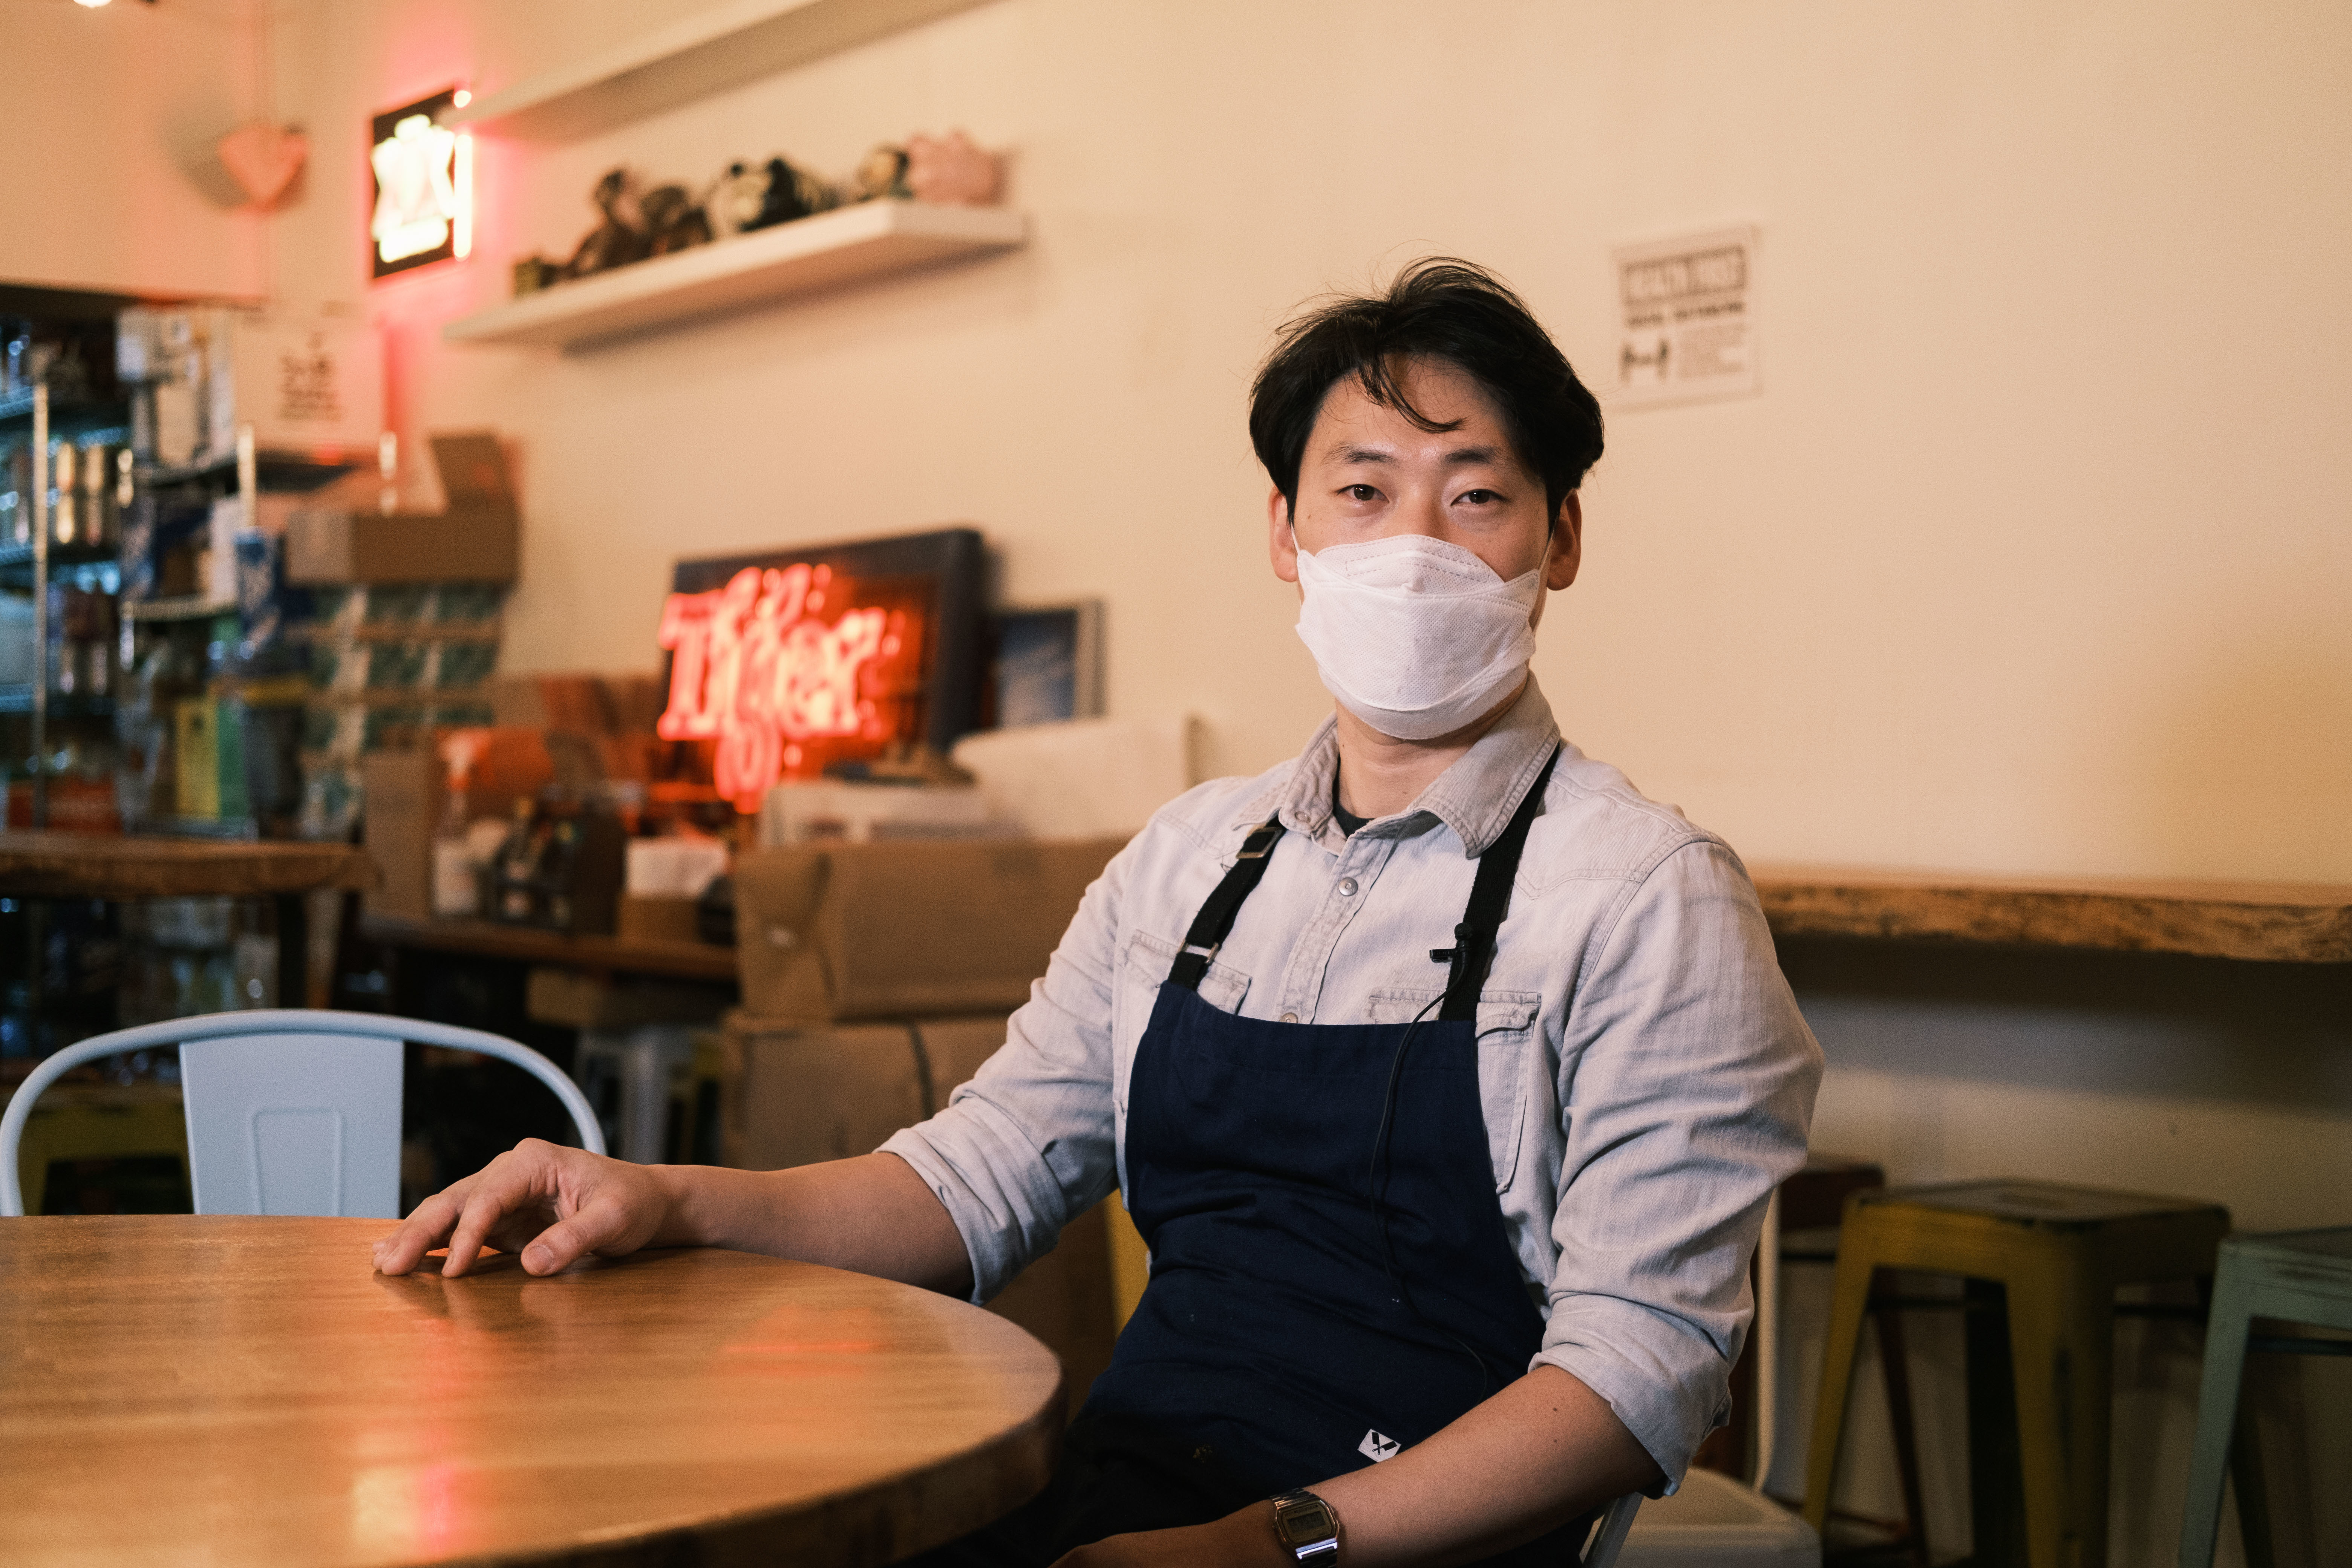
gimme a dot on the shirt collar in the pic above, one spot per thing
(1475, 797)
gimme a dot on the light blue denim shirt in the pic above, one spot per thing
(1645, 1077)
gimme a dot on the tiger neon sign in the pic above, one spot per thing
(754, 667)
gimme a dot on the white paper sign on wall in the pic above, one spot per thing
(1686, 319)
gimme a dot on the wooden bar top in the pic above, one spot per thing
(94, 866)
(183, 1388)
(2272, 922)
(679, 960)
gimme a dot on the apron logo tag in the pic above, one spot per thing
(1375, 1447)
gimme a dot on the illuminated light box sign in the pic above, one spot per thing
(424, 181)
(788, 661)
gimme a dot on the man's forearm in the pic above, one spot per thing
(1543, 1451)
(871, 1214)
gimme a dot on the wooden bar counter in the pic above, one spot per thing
(120, 867)
(526, 945)
(93, 866)
(2281, 923)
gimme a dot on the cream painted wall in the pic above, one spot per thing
(110, 184)
(2031, 554)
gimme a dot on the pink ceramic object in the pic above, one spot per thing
(262, 159)
(950, 171)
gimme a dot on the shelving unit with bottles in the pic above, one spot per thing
(131, 697)
(64, 436)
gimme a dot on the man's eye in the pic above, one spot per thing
(1361, 493)
(1480, 498)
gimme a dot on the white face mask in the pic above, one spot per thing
(1414, 636)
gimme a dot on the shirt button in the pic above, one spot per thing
(1347, 887)
(1290, 1017)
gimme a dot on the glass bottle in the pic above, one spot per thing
(557, 867)
(453, 892)
(514, 863)
(65, 494)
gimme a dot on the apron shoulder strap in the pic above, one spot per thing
(1490, 900)
(1216, 917)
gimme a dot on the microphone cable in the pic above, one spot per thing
(1375, 1185)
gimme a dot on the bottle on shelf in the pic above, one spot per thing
(508, 882)
(17, 496)
(94, 500)
(557, 866)
(65, 494)
(452, 858)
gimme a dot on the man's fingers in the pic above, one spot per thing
(497, 1193)
(422, 1231)
(614, 1210)
(601, 1221)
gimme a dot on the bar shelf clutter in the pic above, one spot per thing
(846, 246)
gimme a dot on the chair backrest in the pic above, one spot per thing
(1610, 1533)
(290, 1110)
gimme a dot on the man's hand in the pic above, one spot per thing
(1241, 1540)
(553, 1204)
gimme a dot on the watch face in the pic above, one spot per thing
(1304, 1520)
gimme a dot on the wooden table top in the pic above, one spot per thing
(95, 866)
(677, 959)
(2291, 922)
(176, 1388)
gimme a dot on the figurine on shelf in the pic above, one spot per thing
(533, 273)
(793, 192)
(674, 221)
(882, 175)
(736, 198)
(621, 238)
(953, 172)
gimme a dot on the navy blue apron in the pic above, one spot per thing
(1331, 1280)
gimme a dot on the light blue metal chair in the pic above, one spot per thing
(290, 1111)
(1714, 1521)
(1608, 1536)
(2292, 1277)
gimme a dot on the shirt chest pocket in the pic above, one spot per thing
(1506, 1030)
(1143, 964)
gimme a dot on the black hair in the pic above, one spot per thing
(1439, 307)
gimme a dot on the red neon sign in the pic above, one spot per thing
(754, 669)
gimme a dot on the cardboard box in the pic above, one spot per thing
(405, 793)
(403, 803)
(478, 539)
(574, 999)
(843, 932)
(305, 381)
(649, 919)
(792, 1095)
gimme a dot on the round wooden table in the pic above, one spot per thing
(184, 1389)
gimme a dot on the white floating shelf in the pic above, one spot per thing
(705, 53)
(851, 244)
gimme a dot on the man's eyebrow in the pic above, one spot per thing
(1463, 455)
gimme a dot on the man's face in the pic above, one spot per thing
(1370, 473)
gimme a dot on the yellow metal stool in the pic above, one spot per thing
(2057, 1254)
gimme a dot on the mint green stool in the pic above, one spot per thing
(2301, 1276)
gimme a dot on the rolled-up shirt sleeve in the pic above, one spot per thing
(1686, 1084)
(1027, 1145)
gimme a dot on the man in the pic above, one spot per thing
(1446, 1077)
